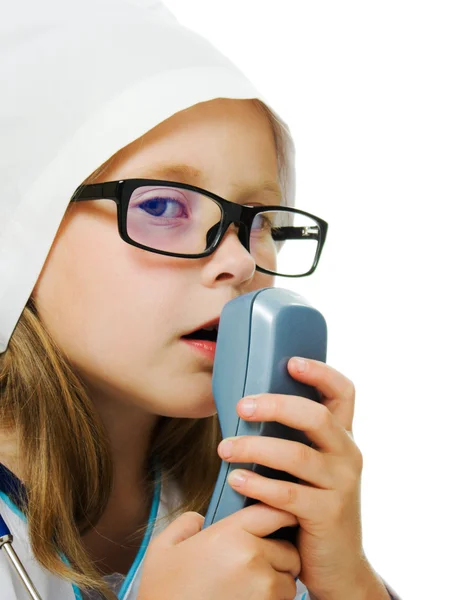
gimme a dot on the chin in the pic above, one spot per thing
(182, 402)
(193, 411)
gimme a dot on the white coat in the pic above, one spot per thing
(51, 587)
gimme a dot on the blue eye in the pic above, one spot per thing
(163, 207)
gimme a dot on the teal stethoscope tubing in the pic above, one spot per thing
(6, 539)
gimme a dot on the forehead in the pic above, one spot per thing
(227, 144)
(184, 173)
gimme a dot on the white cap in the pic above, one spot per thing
(79, 81)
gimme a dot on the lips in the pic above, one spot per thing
(207, 331)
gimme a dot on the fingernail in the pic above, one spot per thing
(300, 364)
(225, 448)
(237, 477)
(247, 407)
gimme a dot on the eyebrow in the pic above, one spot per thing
(187, 174)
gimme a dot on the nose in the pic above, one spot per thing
(230, 261)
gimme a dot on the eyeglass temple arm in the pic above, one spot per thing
(280, 234)
(95, 191)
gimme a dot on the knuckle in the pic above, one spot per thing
(274, 408)
(302, 453)
(249, 555)
(359, 460)
(269, 584)
(351, 389)
(218, 534)
(350, 479)
(245, 446)
(290, 495)
(292, 557)
(322, 416)
(240, 445)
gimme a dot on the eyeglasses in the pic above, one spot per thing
(181, 220)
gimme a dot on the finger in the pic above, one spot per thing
(294, 458)
(304, 502)
(286, 587)
(282, 556)
(337, 390)
(258, 519)
(179, 530)
(315, 419)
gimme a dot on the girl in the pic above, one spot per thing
(109, 435)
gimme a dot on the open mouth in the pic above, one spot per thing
(209, 334)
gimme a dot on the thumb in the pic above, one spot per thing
(184, 527)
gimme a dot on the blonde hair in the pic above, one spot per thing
(63, 447)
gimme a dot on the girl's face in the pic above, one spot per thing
(119, 312)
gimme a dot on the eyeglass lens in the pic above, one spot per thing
(182, 221)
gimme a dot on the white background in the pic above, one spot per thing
(364, 87)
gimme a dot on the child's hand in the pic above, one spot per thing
(228, 559)
(330, 539)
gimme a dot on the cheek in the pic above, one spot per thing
(94, 295)
(261, 280)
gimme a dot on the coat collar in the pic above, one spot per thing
(13, 487)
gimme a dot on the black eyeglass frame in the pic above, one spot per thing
(120, 192)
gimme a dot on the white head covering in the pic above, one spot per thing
(79, 80)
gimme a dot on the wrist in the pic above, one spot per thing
(365, 584)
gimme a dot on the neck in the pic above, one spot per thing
(113, 542)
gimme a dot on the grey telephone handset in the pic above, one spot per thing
(258, 333)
